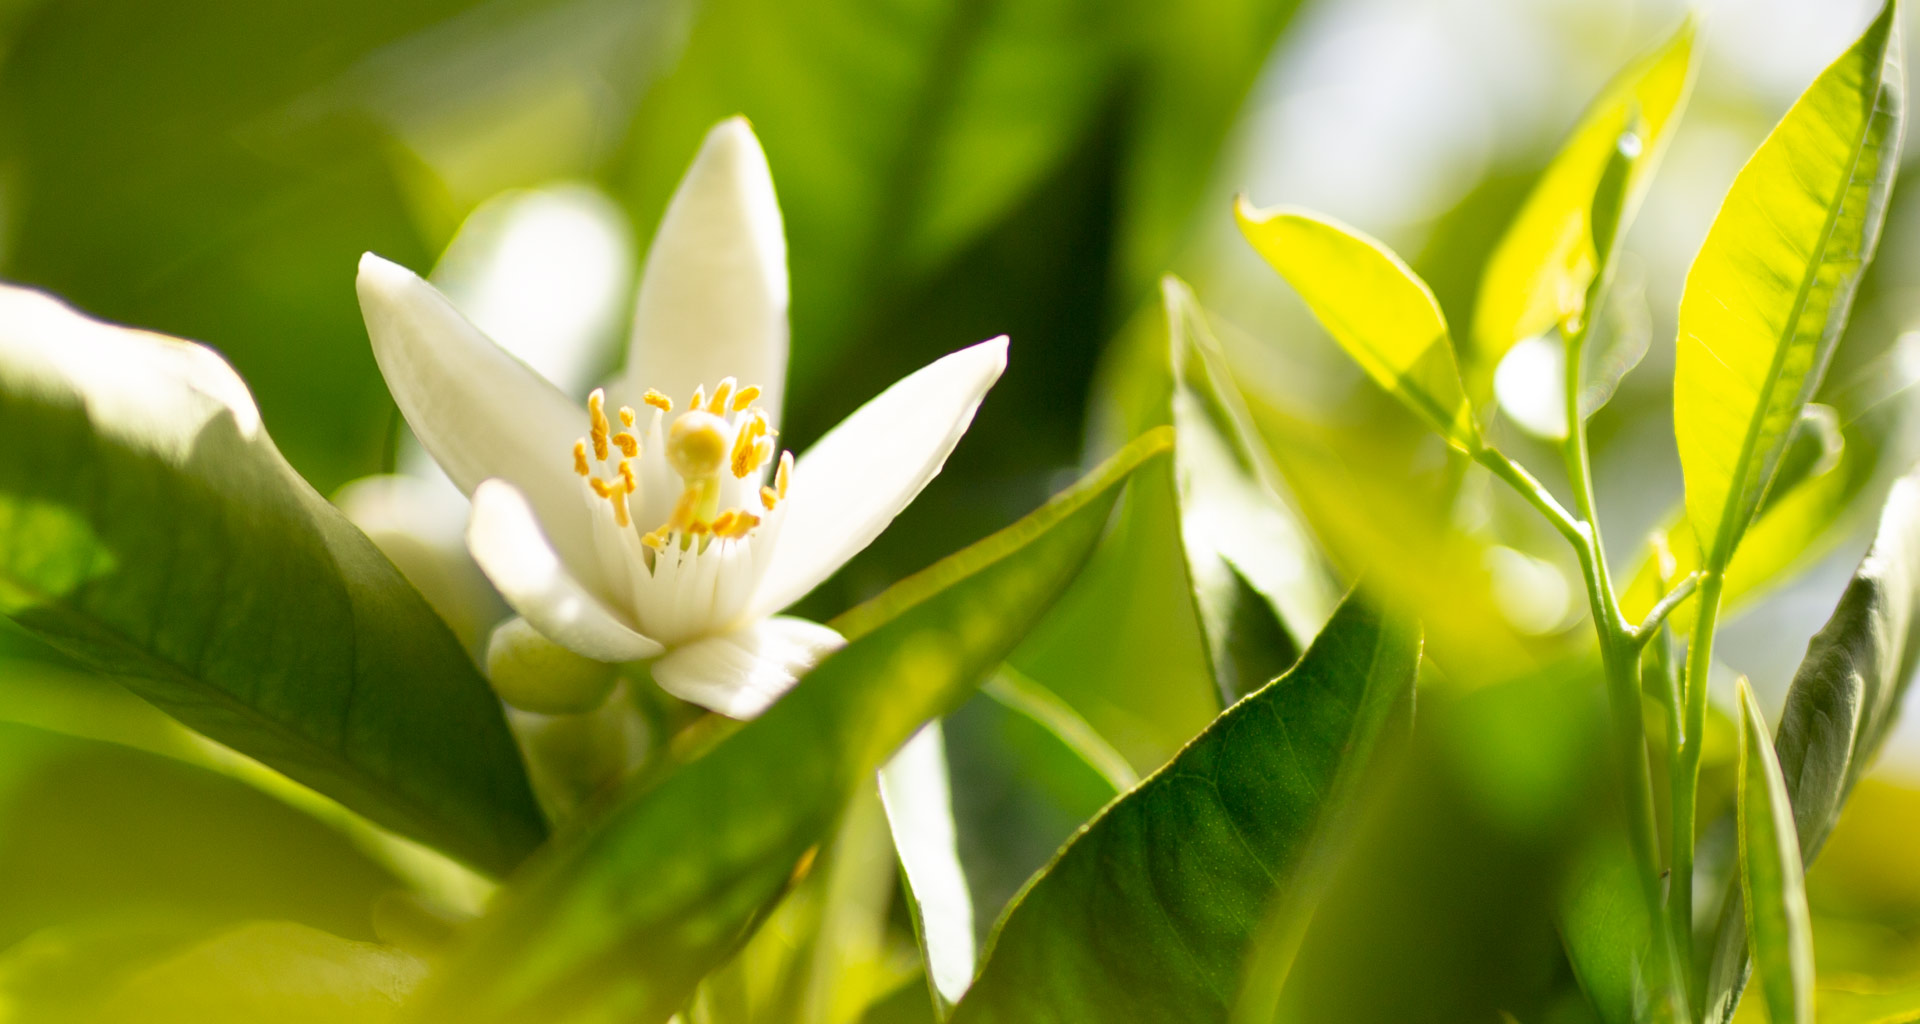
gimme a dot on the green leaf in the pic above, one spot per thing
(150, 529)
(918, 794)
(1259, 587)
(1374, 306)
(1540, 273)
(1768, 293)
(1148, 913)
(269, 970)
(1842, 702)
(622, 922)
(1772, 879)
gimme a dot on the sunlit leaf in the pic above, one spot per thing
(1374, 306)
(1771, 876)
(1148, 913)
(1540, 273)
(1259, 587)
(150, 529)
(622, 922)
(1843, 700)
(1769, 291)
(269, 970)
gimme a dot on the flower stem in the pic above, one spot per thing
(1686, 768)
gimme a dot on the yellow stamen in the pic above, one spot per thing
(786, 471)
(626, 476)
(724, 522)
(765, 427)
(597, 416)
(628, 444)
(580, 457)
(744, 397)
(745, 444)
(620, 515)
(697, 528)
(600, 487)
(738, 527)
(657, 400)
(769, 498)
(699, 400)
(626, 415)
(722, 393)
(657, 540)
(762, 451)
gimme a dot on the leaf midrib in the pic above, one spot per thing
(1726, 535)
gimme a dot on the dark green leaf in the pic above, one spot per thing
(1842, 703)
(1149, 912)
(622, 923)
(150, 529)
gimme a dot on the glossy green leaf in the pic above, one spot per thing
(1149, 912)
(918, 793)
(1379, 311)
(1772, 880)
(1259, 587)
(150, 529)
(1540, 273)
(622, 922)
(1842, 703)
(1768, 294)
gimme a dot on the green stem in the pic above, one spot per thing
(1686, 774)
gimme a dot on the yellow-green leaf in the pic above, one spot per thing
(1768, 293)
(1374, 306)
(1772, 879)
(1539, 274)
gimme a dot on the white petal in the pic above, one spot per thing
(506, 541)
(479, 411)
(546, 273)
(851, 484)
(713, 297)
(742, 673)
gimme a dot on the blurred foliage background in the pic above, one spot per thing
(949, 170)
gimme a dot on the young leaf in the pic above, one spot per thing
(917, 791)
(1772, 879)
(1768, 293)
(1540, 273)
(1374, 306)
(1259, 587)
(623, 922)
(1149, 911)
(1842, 703)
(150, 529)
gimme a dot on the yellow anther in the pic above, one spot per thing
(597, 418)
(697, 528)
(657, 400)
(724, 522)
(628, 444)
(657, 540)
(766, 428)
(722, 394)
(600, 487)
(762, 451)
(626, 477)
(769, 498)
(580, 457)
(626, 415)
(744, 397)
(785, 472)
(745, 445)
(699, 400)
(697, 445)
(739, 526)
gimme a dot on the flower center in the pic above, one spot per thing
(713, 438)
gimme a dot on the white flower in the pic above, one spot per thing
(659, 522)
